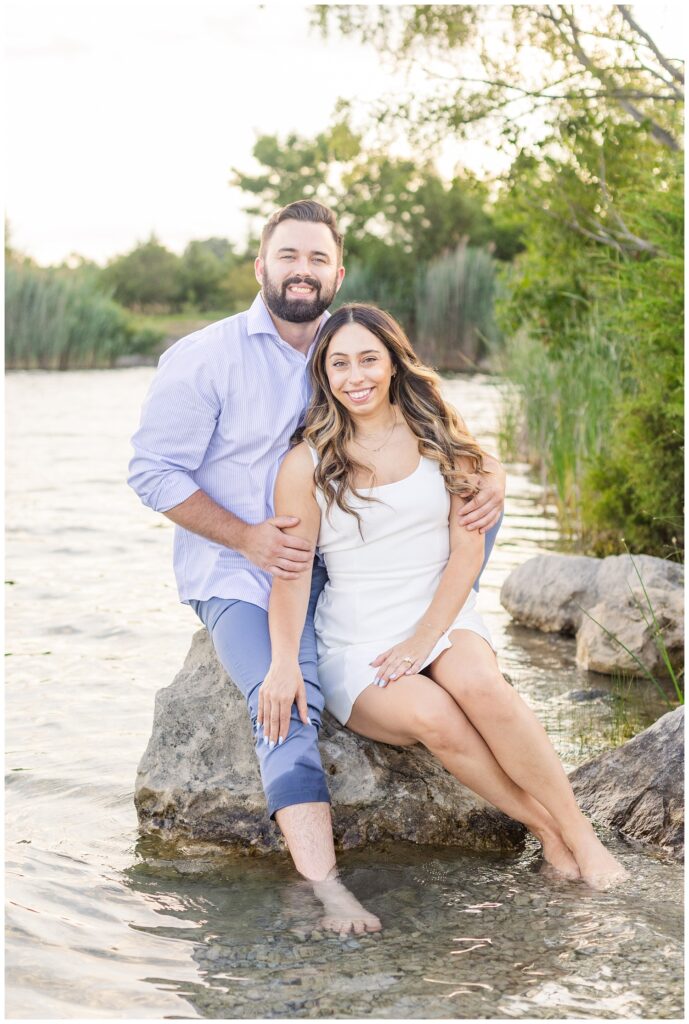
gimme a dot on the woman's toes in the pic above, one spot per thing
(570, 874)
(559, 858)
(606, 880)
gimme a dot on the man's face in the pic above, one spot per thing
(298, 272)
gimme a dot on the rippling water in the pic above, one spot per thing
(101, 923)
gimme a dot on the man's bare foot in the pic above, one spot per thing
(559, 862)
(343, 912)
(599, 869)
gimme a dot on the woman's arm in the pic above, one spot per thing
(463, 566)
(289, 599)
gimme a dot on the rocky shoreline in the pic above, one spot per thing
(198, 779)
(604, 603)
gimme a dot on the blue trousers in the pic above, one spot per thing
(291, 772)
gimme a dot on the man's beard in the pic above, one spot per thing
(297, 311)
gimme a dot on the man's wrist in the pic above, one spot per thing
(239, 536)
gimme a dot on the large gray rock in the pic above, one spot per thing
(639, 787)
(566, 593)
(198, 777)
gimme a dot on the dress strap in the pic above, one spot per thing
(314, 453)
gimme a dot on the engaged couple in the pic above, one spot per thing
(333, 516)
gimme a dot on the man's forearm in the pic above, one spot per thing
(200, 514)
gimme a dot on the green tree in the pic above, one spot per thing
(633, 490)
(222, 248)
(296, 168)
(598, 292)
(500, 65)
(591, 111)
(397, 213)
(239, 285)
(145, 278)
(201, 273)
(400, 202)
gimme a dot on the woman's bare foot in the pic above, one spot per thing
(559, 862)
(599, 869)
(343, 912)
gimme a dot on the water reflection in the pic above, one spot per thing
(463, 936)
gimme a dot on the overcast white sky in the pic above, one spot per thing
(127, 117)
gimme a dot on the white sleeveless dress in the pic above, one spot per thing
(380, 587)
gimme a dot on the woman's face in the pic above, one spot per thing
(359, 369)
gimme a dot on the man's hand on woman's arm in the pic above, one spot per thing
(483, 511)
(265, 544)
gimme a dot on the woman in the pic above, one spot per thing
(404, 657)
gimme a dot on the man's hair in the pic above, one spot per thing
(304, 209)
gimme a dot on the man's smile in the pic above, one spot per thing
(303, 289)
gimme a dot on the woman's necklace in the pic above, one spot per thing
(389, 435)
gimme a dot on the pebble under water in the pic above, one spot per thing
(464, 937)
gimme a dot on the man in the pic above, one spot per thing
(215, 426)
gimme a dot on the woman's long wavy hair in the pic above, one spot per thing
(414, 389)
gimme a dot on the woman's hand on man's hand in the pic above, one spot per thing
(282, 687)
(405, 658)
(483, 511)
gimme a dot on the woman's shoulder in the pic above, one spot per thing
(299, 461)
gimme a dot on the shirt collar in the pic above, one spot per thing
(259, 321)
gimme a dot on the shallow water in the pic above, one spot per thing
(101, 923)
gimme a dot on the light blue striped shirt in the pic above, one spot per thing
(219, 416)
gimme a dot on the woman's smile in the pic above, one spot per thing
(360, 396)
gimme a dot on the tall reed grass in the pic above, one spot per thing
(455, 298)
(57, 321)
(559, 411)
(446, 305)
(367, 283)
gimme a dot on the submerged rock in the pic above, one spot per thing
(566, 593)
(199, 777)
(639, 787)
(581, 696)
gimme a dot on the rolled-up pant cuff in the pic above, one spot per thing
(288, 798)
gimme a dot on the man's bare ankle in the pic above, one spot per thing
(316, 876)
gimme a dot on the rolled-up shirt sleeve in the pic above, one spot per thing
(178, 419)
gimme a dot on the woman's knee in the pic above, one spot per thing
(484, 689)
(436, 720)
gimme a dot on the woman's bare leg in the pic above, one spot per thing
(414, 709)
(469, 672)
